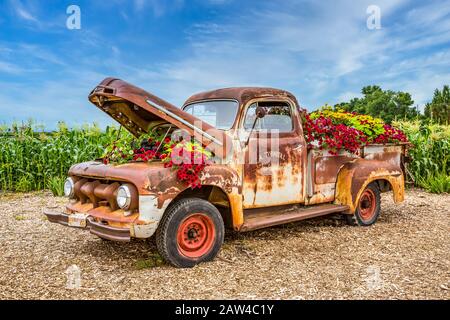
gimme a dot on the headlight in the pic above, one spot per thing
(69, 187)
(124, 197)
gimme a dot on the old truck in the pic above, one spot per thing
(240, 191)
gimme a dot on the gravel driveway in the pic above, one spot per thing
(405, 255)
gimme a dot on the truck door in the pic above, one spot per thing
(275, 155)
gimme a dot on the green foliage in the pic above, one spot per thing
(56, 185)
(153, 261)
(121, 149)
(438, 111)
(385, 104)
(430, 154)
(439, 183)
(33, 160)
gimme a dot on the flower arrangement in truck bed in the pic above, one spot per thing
(188, 158)
(337, 130)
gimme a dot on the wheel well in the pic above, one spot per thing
(383, 184)
(214, 195)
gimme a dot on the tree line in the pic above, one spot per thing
(398, 105)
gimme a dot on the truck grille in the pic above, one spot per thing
(97, 192)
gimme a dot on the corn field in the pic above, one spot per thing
(31, 159)
(430, 154)
(34, 160)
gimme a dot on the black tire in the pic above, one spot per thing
(171, 240)
(365, 215)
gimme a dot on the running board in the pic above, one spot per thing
(272, 216)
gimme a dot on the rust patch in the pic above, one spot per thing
(266, 183)
(115, 218)
(326, 168)
(242, 94)
(356, 175)
(137, 173)
(237, 211)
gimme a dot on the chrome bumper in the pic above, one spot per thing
(99, 229)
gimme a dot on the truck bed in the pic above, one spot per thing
(323, 168)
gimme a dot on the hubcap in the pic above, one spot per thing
(367, 205)
(195, 235)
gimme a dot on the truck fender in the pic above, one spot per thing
(228, 180)
(354, 176)
(164, 187)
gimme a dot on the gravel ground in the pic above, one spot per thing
(405, 255)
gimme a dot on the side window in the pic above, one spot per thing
(278, 117)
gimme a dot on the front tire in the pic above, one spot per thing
(190, 232)
(369, 207)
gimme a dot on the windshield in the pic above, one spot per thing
(218, 113)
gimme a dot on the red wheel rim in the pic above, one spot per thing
(195, 236)
(367, 205)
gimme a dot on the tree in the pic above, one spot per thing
(439, 108)
(385, 104)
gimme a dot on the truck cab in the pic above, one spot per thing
(263, 173)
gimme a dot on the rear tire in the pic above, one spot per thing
(190, 232)
(368, 209)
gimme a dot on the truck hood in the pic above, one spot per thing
(152, 178)
(138, 111)
(138, 173)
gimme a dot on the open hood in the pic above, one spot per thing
(138, 111)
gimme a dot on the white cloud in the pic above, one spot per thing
(25, 15)
(40, 53)
(321, 52)
(158, 7)
(348, 95)
(22, 12)
(62, 99)
(10, 68)
(31, 15)
(315, 49)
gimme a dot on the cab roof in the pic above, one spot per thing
(241, 94)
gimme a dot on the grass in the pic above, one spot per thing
(438, 183)
(153, 261)
(56, 185)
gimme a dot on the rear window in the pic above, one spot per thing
(219, 113)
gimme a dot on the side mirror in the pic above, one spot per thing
(260, 112)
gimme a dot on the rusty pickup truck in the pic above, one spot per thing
(263, 173)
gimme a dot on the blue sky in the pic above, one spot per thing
(322, 51)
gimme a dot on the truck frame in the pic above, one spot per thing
(248, 187)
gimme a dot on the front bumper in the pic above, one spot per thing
(99, 229)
